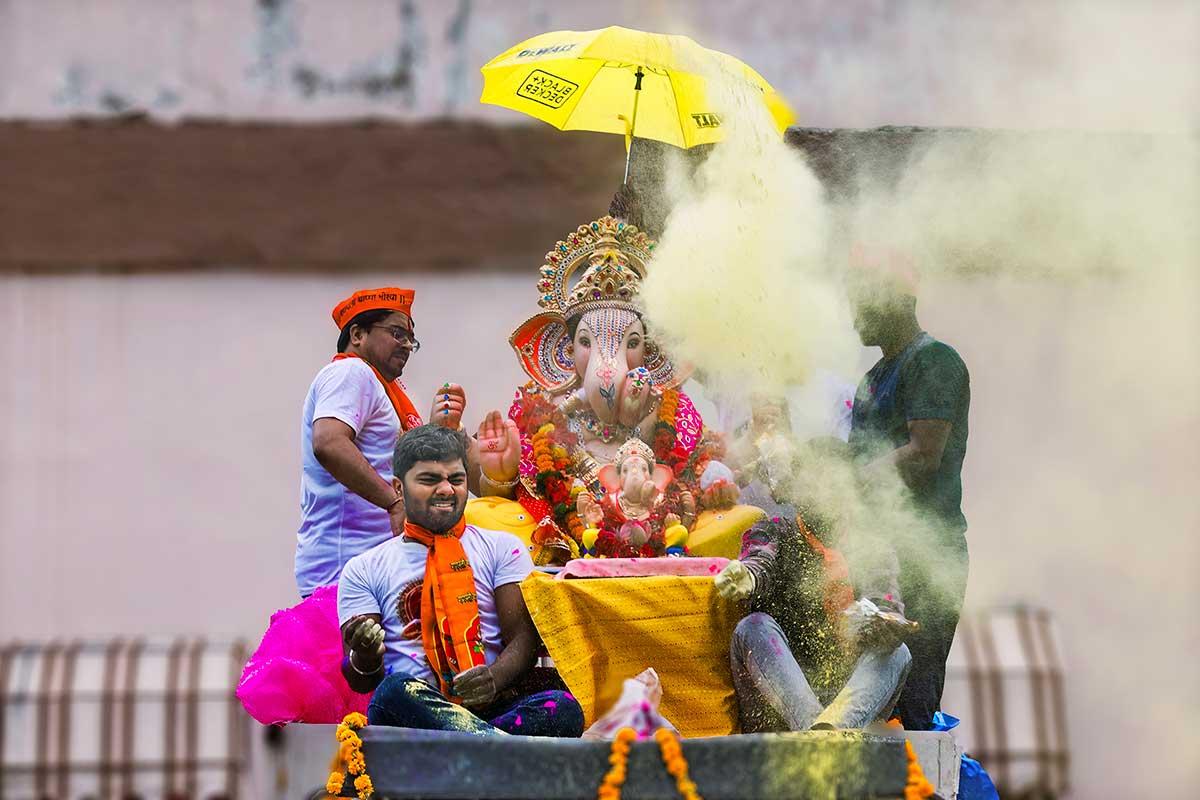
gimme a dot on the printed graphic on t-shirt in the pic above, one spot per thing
(408, 609)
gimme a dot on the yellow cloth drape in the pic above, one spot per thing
(600, 631)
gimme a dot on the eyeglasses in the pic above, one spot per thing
(401, 335)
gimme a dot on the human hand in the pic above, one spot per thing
(880, 633)
(363, 638)
(476, 687)
(448, 406)
(499, 443)
(877, 629)
(735, 582)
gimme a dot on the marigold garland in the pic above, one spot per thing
(677, 766)
(551, 458)
(917, 788)
(614, 779)
(672, 756)
(665, 431)
(350, 754)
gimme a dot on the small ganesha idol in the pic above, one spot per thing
(634, 517)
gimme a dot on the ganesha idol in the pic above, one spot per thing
(628, 521)
(614, 458)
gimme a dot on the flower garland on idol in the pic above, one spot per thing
(552, 443)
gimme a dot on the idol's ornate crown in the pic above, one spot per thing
(615, 254)
(610, 256)
(634, 447)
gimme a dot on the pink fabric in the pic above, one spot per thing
(688, 424)
(641, 567)
(526, 468)
(295, 675)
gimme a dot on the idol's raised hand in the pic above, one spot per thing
(499, 448)
(637, 397)
(448, 406)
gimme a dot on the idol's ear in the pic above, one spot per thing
(543, 348)
(662, 476)
(609, 477)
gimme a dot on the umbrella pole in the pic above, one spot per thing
(637, 93)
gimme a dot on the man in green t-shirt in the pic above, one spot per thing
(910, 418)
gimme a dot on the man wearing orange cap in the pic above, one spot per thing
(910, 419)
(355, 411)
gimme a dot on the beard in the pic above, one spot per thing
(437, 518)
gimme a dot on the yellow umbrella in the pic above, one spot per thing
(617, 80)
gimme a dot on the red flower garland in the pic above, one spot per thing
(551, 441)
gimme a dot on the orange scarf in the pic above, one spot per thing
(405, 410)
(838, 591)
(449, 610)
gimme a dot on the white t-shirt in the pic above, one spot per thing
(387, 580)
(335, 523)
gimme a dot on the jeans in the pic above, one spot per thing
(774, 693)
(403, 701)
(933, 596)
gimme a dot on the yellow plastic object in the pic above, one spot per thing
(585, 80)
(498, 514)
(600, 631)
(589, 538)
(719, 533)
(675, 536)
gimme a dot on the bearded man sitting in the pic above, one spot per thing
(433, 621)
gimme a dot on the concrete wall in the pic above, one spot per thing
(847, 63)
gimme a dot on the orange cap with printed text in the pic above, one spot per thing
(391, 298)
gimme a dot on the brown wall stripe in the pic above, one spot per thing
(192, 719)
(108, 682)
(128, 715)
(977, 679)
(42, 738)
(1058, 698)
(237, 723)
(204, 195)
(170, 711)
(65, 703)
(988, 648)
(7, 654)
(1037, 679)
